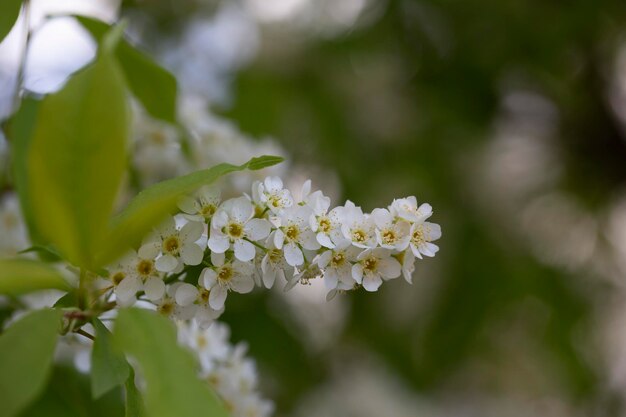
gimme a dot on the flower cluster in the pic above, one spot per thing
(187, 267)
(226, 368)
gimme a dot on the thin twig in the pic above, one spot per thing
(85, 334)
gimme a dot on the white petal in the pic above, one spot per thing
(186, 294)
(257, 229)
(293, 254)
(219, 219)
(188, 205)
(429, 249)
(372, 282)
(273, 184)
(218, 259)
(244, 250)
(390, 268)
(324, 259)
(306, 190)
(416, 251)
(208, 278)
(324, 240)
(242, 284)
(150, 250)
(242, 210)
(309, 240)
(191, 231)
(433, 231)
(166, 263)
(331, 294)
(357, 273)
(330, 278)
(217, 296)
(154, 288)
(382, 218)
(191, 254)
(218, 243)
(269, 277)
(279, 239)
(127, 289)
(168, 227)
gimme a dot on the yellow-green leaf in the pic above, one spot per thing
(173, 387)
(154, 203)
(21, 276)
(108, 366)
(26, 352)
(77, 157)
(9, 11)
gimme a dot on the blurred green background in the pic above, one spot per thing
(508, 117)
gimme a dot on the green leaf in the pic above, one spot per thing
(20, 130)
(67, 395)
(154, 203)
(46, 253)
(153, 86)
(77, 158)
(108, 366)
(68, 300)
(26, 352)
(21, 276)
(9, 11)
(134, 403)
(173, 387)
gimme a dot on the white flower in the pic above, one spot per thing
(337, 266)
(326, 225)
(195, 303)
(421, 237)
(176, 246)
(274, 265)
(407, 259)
(391, 234)
(225, 276)
(233, 225)
(374, 266)
(272, 193)
(407, 209)
(134, 273)
(202, 206)
(294, 234)
(210, 344)
(357, 227)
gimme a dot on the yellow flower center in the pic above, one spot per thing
(359, 236)
(324, 224)
(171, 245)
(389, 236)
(208, 210)
(225, 274)
(417, 237)
(292, 232)
(204, 295)
(167, 308)
(235, 230)
(145, 267)
(370, 264)
(337, 260)
(117, 278)
(275, 255)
